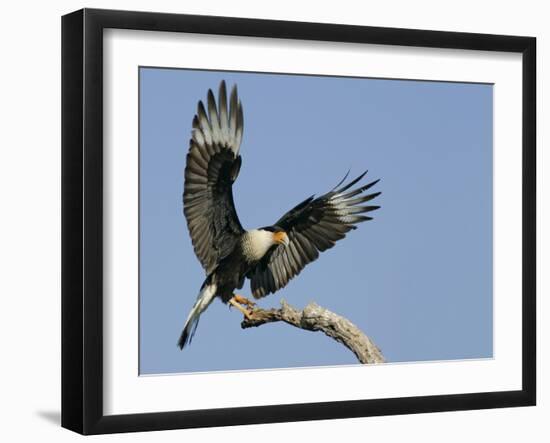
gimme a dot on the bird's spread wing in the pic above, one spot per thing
(313, 226)
(213, 164)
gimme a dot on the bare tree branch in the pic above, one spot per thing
(317, 318)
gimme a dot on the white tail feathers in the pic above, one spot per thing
(205, 297)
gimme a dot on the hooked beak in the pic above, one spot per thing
(281, 237)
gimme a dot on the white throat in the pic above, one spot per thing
(256, 243)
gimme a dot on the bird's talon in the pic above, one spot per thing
(243, 300)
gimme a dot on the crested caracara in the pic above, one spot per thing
(269, 256)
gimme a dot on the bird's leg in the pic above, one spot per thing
(245, 312)
(238, 301)
(243, 300)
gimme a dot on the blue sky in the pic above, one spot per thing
(417, 279)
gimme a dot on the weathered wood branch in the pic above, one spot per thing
(316, 318)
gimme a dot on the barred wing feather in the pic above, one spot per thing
(213, 164)
(313, 226)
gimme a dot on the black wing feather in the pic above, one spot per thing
(213, 164)
(313, 226)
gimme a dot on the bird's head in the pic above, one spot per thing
(278, 235)
(281, 237)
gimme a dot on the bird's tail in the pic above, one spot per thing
(205, 297)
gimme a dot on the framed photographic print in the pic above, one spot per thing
(270, 221)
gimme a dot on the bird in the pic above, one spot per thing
(268, 256)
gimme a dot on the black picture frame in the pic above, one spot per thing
(82, 218)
